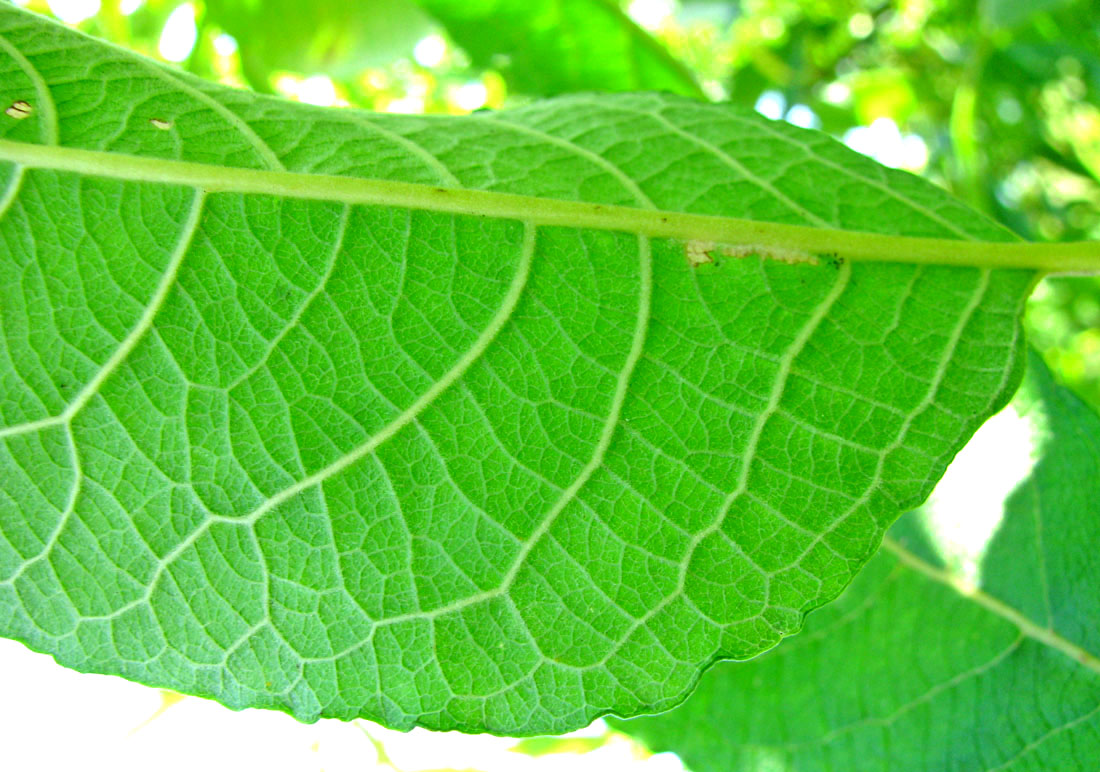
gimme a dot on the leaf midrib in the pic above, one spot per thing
(1044, 635)
(770, 239)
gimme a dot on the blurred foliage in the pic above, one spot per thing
(546, 746)
(996, 100)
(335, 37)
(555, 46)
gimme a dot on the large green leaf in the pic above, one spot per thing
(557, 46)
(439, 420)
(916, 669)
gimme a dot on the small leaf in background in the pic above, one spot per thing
(951, 650)
(547, 47)
(333, 37)
(1010, 13)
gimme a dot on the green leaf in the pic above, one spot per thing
(915, 669)
(1008, 14)
(557, 46)
(332, 36)
(439, 420)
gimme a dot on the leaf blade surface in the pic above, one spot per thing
(457, 470)
(915, 668)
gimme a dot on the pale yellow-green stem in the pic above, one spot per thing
(734, 234)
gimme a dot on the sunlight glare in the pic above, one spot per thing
(802, 115)
(884, 142)
(179, 34)
(771, 104)
(430, 51)
(225, 45)
(74, 11)
(470, 96)
(966, 508)
(318, 90)
(408, 105)
(650, 14)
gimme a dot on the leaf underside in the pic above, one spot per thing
(906, 672)
(455, 471)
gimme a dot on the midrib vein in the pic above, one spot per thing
(1043, 635)
(832, 242)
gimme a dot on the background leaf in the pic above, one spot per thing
(914, 669)
(556, 46)
(332, 36)
(461, 471)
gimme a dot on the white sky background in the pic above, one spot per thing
(53, 718)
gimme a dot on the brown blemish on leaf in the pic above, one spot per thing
(19, 110)
(698, 252)
(702, 252)
(782, 254)
(161, 124)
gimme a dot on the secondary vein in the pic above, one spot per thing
(1044, 635)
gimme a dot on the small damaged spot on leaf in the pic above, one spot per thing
(161, 124)
(702, 252)
(782, 254)
(19, 110)
(699, 252)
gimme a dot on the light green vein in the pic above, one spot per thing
(884, 721)
(262, 150)
(735, 165)
(798, 343)
(187, 233)
(503, 314)
(44, 105)
(65, 515)
(10, 193)
(927, 401)
(850, 245)
(1038, 741)
(1044, 635)
(429, 160)
(296, 318)
(637, 348)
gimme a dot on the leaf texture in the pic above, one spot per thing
(912, 669)
(456, 470)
